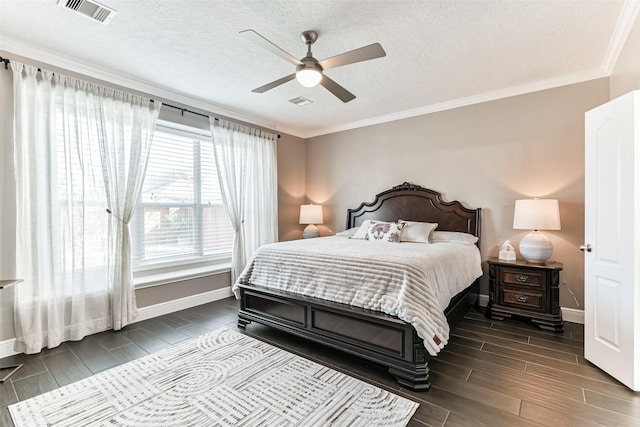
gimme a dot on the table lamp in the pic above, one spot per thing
(310, 214)
(536, 214)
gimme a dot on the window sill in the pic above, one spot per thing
(180, 275)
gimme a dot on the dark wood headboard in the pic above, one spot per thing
(411, 202)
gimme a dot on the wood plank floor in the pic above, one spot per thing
(491, 373)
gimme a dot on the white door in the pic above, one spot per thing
(612, 289)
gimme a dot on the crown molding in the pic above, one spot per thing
(55, 59)
(462, 102)
(626, 19)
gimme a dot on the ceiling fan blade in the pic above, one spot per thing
(333, 87)
(275, 83)
(364, 53)
(261, 41)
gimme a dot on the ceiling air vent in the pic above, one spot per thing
(300, 101)
(90, 9)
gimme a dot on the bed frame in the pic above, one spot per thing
(374, 336)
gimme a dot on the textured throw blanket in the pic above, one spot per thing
(412, 281)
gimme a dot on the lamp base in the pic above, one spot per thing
(310, 231)
(536, 248)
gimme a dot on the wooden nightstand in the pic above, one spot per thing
(528, 290)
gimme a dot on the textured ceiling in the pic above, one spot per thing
(439, 53)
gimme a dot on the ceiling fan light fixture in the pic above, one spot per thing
(309, 71)
(308, 76)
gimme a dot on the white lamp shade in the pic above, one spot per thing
(536, 214)
(310, 214)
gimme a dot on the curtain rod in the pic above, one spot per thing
(185, 110)
(182, 110)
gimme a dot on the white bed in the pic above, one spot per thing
(412, 281)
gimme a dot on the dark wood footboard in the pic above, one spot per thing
(374, 336)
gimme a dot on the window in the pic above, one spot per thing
(181, 217)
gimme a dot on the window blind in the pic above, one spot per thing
(181, 214)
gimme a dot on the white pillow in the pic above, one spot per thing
(453, 237)
(381, 231)
(348, 233)
(362, 230)
(417, 232)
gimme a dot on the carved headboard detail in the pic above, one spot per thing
(412, 202)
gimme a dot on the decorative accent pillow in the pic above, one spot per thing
(453, 237)
(363, 230)
(417, 232)
(385, 231)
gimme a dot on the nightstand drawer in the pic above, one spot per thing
(523, 299)
(522, 278)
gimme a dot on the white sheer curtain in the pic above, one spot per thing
(125, 130)
(65, 239)
(247, 170)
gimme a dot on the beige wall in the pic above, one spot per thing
(172, 291)
(485, 155)
(7, 195)
(626, 74)
(291, 186)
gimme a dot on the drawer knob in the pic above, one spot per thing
(522, 298)
(522, 278)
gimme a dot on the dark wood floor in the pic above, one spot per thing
(491, 373)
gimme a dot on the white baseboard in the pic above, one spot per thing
(163, 308)
(572, 315)
(151, 311)
(6, 348)
(483, 300)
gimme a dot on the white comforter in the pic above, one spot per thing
(412, 281)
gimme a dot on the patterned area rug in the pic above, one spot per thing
(222, 378)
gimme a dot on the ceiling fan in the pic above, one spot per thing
(309, 71)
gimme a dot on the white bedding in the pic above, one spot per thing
(413, 281)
